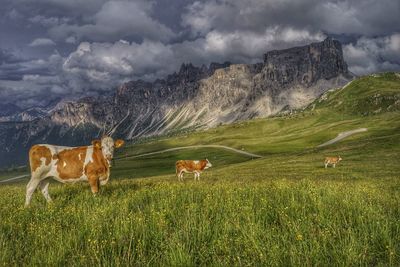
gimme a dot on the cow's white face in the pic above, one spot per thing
(107, 147)
(208, 164)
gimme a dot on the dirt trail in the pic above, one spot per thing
(14, 178)
(198, 146)
(343, 135)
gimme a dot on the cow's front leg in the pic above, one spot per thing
(94, 184)
(30, 189)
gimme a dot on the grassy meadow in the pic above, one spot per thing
(284, 209)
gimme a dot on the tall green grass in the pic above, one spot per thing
(162, 222)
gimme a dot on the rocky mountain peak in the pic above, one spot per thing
(190, 73)
(214, 66)
(305, 64)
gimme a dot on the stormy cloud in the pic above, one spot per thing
(51, 49)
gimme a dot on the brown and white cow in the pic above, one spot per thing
(70, 165)
(191, 166)
(332, 160)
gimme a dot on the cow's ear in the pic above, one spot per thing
(96, 143)
(118, 143)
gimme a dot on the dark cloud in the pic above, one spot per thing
(56, 9)
(48, 22)
(27, 82)
(24, 66)
(101, 64)
(7, 57)
(364, 17)
(370, 55)
(42, 42)
(116, 20)
(57, 48)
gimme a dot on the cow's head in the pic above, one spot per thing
(339, 158)
(208, 165)
(107, 146)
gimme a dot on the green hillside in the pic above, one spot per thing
(366, 96)
(291, 135)
(279, 210)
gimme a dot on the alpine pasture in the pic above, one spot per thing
(279, 210)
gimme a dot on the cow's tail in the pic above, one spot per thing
(177, 164)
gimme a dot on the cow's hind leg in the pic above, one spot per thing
(44, 187)
(30, 189)
(180, 176)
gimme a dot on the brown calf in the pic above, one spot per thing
(191, 166)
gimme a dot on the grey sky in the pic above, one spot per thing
(58, 48)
